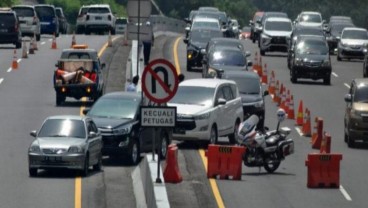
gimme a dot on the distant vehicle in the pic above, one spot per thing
(66, 141)
(225, 42)
(245, 33)
(205, 22)
(81, 19)
(196, 42)
(310, 19)
(334, 33)
(213, 9)
(49, 20)
(117, 115)
(352, 43)
(256, 26)
(222, 59)
(251, 93)
(121, 24)
(275, 35)
(10, 32)
(355, 121)
(207, 109)
(29, 22)
(311, 59)
(99, 18)
(334, 19)
(221, 16)
(234, 28)
(78, 74)
(262, 21)
(63, 23)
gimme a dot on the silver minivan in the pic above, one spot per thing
(29, 21)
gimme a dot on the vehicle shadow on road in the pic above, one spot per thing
(263, 172)
(116, 162)
(63, 173)
(311, 82)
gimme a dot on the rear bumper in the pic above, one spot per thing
(9, 37)
(78, 91)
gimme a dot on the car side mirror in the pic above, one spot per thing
(185, 41)
(187, 29)
(265, 93)
(249, 63)
(247, 54)
(103, 65)
(33, 133)
(203, 51)
(92, 134)
(85, 111)
(221, 101)
(348, 98)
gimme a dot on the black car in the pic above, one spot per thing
(251, 93)
(63, 23)
(117, 116)
(10, 29)
(310, 59)
(221, 59)
(196, 42)
(334, 33)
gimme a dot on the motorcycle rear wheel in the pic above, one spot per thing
(270, 167)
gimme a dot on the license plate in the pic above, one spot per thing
(45, 23)
(179, 131)
(52, 159)
(98, 18)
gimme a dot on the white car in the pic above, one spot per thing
(121, 24)
(352, 44)
(275, 35)
(81, 19)
(99, 18)
(203, 22)
(29, 22)
(207, 109)
(310, 19)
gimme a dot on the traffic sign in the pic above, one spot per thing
(139, 9)
(158, 116)
(160, 81)
(145, 32)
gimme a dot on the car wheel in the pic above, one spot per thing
(351, 142)
(84, 171)
(98, 166)
(293, 78)
(338, 57)
(33, 172)
(213, 135)
(164, 145)
(134, 152)
(327, 80)
(38, 37)
(18, 44)
(233, 137)
(263, 52)
(87, 32)
(345, 137)
(189, 67)
(113, 32)
(59, 99)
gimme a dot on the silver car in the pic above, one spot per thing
(29, 22)
(70, 142)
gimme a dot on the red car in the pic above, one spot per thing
(245, 33)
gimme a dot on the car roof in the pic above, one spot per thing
(23, 6)
(278, 19)
(311, 12)
(355, 28)
(122, 94)
(211, 83)
(205, 19)
(228, 74)
(72, 117)
(99, 5)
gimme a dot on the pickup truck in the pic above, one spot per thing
(78, 74)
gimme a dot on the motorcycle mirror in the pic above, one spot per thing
(280, 117)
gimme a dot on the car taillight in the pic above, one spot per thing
(87, 17)
(16, 28)
(34, 22)
(109, 17)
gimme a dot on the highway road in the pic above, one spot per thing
(27, 98)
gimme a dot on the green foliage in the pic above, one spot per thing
(8, 3)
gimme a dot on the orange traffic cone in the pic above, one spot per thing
(109, 41)
(287, 101)
(306, 129)
(276, 95)
(255, 64)
(280, 95)
(264, 75)
(31, 48)
(15, 60)
(325, 144)
(271, 85)
(24, 52)
(73, 40)
(290, 112)
(171, 171)
(260, 70)
(53, 44)
(283, 100)
(299, 115)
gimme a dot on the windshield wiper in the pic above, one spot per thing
(58, 135)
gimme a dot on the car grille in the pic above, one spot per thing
(278, 40)
(186, 124)
(313, 63)
(54, 150)
(365, 119)
(110, 141)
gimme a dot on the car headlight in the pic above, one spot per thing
(326, 62)
(265, 36)
(75, 149)
(259, 104)
(212, 73)
(190, 54)
(122, 131)
(202, 116)
(35, 148)
(343, 44)
(298, 62)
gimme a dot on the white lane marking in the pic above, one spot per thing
(345, 193)
(1, 80)
(299, 131)
(50, 39)
(9, 70)
(43, 43)
(348, 86)
(333, 73)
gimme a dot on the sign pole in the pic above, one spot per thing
(158, 179)
(139, 12)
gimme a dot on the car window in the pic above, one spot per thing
(220, 93)
(115, 108)
(121, 21)
(278, 26)
(23, 11)
(312, 47)
(63, 128)
(228, 94)
(249, 86)
(310, 18)
(227, 58)
(79, 56)
(99, 10)
(59, 13)
(45, 12)
(83, 11)
(91, 127)
(354, 34)
(361, 94)
(7, 19)
(234, 90)
(193, 95)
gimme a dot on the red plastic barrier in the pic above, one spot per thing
(172, 172)
(323, 170)
(224, 161)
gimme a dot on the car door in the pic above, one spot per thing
(349, 106)
(231, 108)
(220, 111)
(94, 142)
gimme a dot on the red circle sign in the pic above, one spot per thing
(160, 81)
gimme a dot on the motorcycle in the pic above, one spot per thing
(265, 148)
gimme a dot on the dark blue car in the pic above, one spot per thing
(48, 18)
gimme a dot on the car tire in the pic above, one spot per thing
(351, 142)
(164, 144)
(213, 135)
(113, 32)
(327, 80)
(134, 152)
(233, 136)
(85, 170)
(338, 57)
(59, 99)
(293, 77)
(38, 37)
(189, 67)
(18, 45)
(98, 166)
(263, 53)
(345, 137)
(33, 172)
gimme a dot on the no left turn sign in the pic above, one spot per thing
(160, 81)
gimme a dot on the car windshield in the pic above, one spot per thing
(248, 86)
(227, 58)
(63, 128)
(278, 26)
(312, 47)
(361, 95)
(7, 19)
(192, 95)
(205, 24)
(311, 18)
(115, 108)
(99, 10)
(355, 34)
(23, 11)
(58, 13)
(45, 12)
(121, 21)
(337, 29)
(203, 36)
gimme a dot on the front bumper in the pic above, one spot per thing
(351, 52)
(274, 44)
(358, 128)
(43, 161)
(311, 72)
(190, 129)
(115, 144)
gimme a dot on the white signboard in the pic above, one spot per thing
(139, 9)
(145, 32)
(158, 116)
